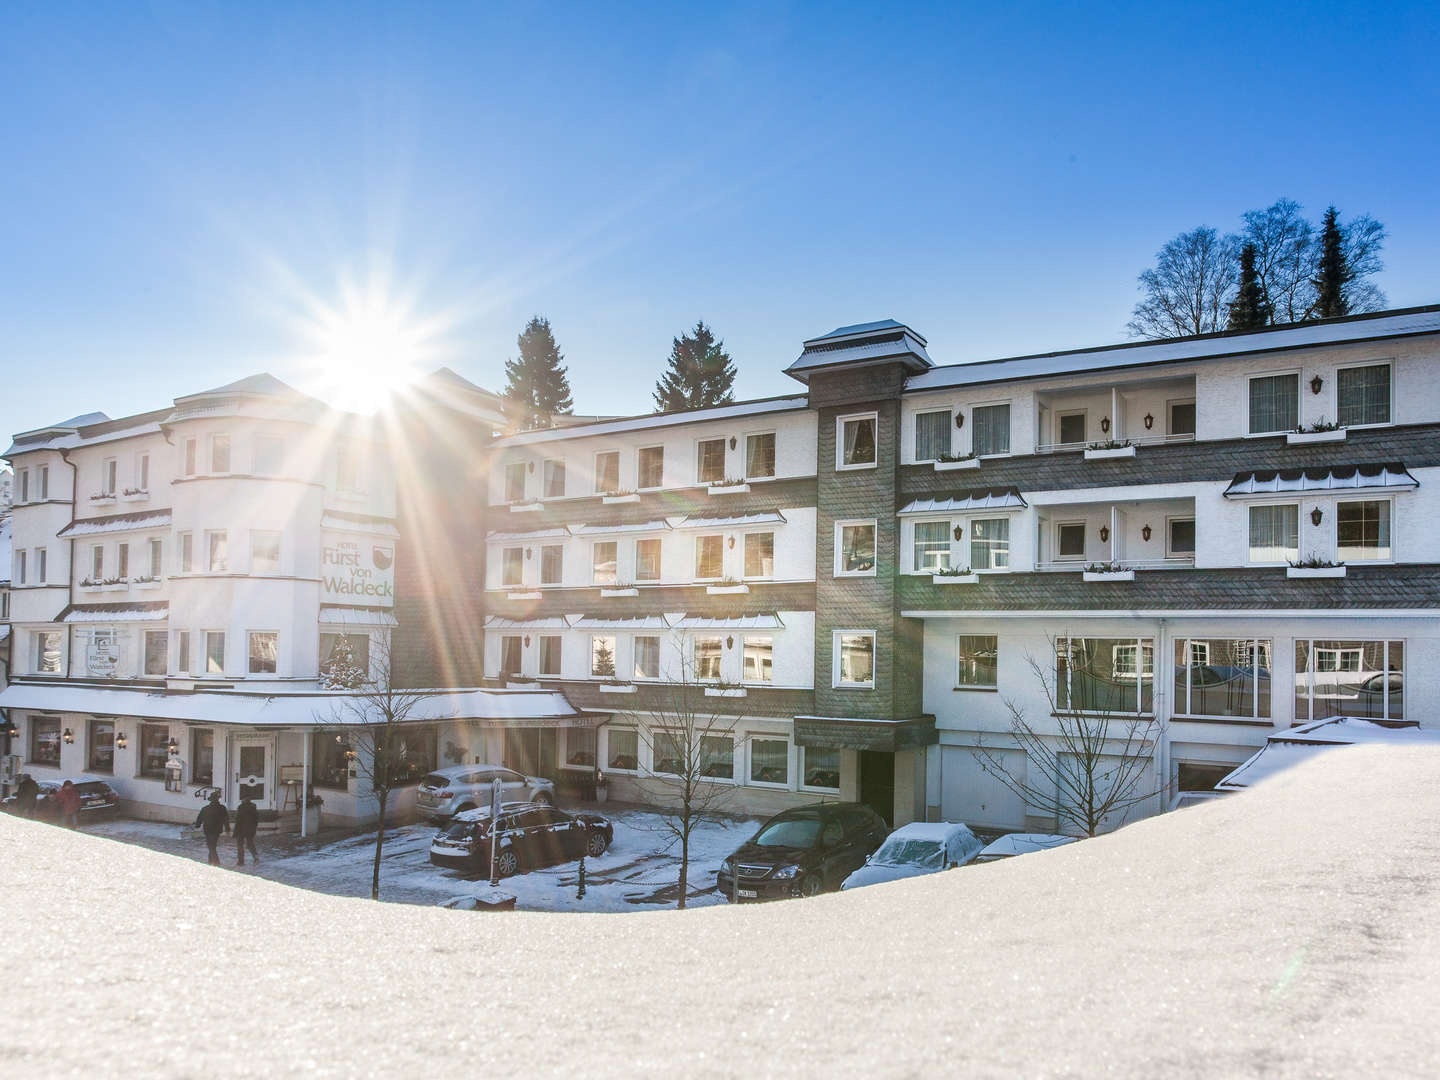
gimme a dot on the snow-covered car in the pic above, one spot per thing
(97, 798)
(447, 792)
(530, 835)
(1021, 843)
(922, 847)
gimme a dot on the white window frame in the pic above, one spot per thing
(279, 551)
(977, 686)
(190, 457)
(142, 471)
(1084, 414)
(1299, 400)
(504, 551)
(678, 736)
(738, 760)
(595, 471)
(776, 445)
(22, 480)
(1389, 500)
(505, 472)
(593, 577)
(614, 640)
(1170, 404)
(1057, 556)
(215, 440)
(109, 476)
(183, 655)
(210, 549)
(540, 656)
(914, 523)
(1139, 644)
(695, 640)
(800, 784)
(840, 422)
(205, 636)
(22, 564)
(1171, 553)
(185, 552)
(561, 579)
(970, 421)
(745, 639)
(1257, 645)
(915, 432)
(659, 562)
(744, 550)
(634, 669)
(640, 450)
(725, 455)
(145, 652)
(767, 736)
(967, 540)
(547, 473)
(695, 555)
(851, 523)
(607, 767)
(249, 646)
(1386, 361)
(835, 638)
(42, 566)
(1309, 643)
(1299, 531)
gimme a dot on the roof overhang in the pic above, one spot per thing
(1006, 498)
(858, 733)
(1263, 483)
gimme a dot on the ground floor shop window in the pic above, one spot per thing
(624, 749)
(580, 747)
(45, 740)
(413, 752)
(978, 661)
(359, 651)
(769, 761)
(1192, 777)
(531, 751)
(667, 753)
(1105, 675)
(1222, 677)
(820, 768)
(102, 746)
(202, 756)
(717, 757)
(329, 766)
(1349, 678)
(154, 750)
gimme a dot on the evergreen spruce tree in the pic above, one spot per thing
(700, 373)
(1250, 310)
(1332, 273)
(538, 387)
(603, 660)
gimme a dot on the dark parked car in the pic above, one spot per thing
(802, 852)
(531, 835)
(97, 799)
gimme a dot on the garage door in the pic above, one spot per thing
(970, 794)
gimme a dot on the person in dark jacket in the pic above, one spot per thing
(25, 796)
(68, 799)
(247, 818)
(214, 819)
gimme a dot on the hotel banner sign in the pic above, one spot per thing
(357, 569)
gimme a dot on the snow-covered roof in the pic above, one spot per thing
(154, 611)
(534, 534)
(639, 622)
(740, 409)
(1297, 744)
(341, 521)
(1007, 498)
(766, 518)
(1401, 323)
(607, 530)
(117, 523)
(860, 346)
(261, 384)
(356, 616)
(548, 622)
(1392, 476)
(763, 621)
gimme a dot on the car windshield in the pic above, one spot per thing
(461, 830)
(907, 851)
(789, 832)
(435, 780)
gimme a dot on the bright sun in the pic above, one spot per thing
(364, 349)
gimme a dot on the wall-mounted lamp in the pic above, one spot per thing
(732, 543)
(1316, 384)
(1316, 515)
(1149, 421)
(1104, 534)
(959, 419)
(532, 466)
(1145, 532)
(527, 641)
(732, 442)
(1105, 424)
(11, 730)
(121, 740)
(959, 533)
(172, 748)
(527, 554)
(69, 736)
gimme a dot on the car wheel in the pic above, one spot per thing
(808, 885)
(544, 798)
(506, 863)
(595, 845)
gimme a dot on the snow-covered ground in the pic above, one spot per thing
(1290, 930)
(638, 872)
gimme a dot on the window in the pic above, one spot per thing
(218, 544)
(1115, 675)
(413, 754)
(45, 740)
(347, 469)
(154, 750)
(511, 651)
(652, 466)
(24, 485)
(102, 745)
(647, 657)
(1179, 537)
(42, 567)
(269, 455)
(932, 546)
(182, 652)
(769, 761)
(554, 479)
(1222, 677)
(1274, 533)
(710, 461)
(855, 442)
(1362, 395)
(708, 651)
(190, 457)
(157, 654)
(22, 569)
(552, 564)
(602, 656)
(220, 453)
(48, 647)
(602, 562)
(667, 752)
(1181, 417)
(854, 658)
(1349, 678)
(42, 479)
(932, 435)
(157, 558)
(607, 472)
(717, 757)
(990, 544)
(515, 482)
(760, 456)
(122, 560)
(1274, 403)
(647, 559)
(97, 562)
(214, 652)
(108, 469)
(202, 756)
(990, 429)
(709, 558)
(186, 548)
(1070, 540)
(1072, 428)
(359, 645)
(263, 646)
(1362, 531)
(820, 768)
(624, 749)
(758, 660)
(512, 566)
(855, 548)
(759, 555)
(979, 661)
(550, 654)
(264, 552)
(580, 747)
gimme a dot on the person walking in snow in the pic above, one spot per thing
(213, 819)
(25, 796)
(68, 800)
(247, 819)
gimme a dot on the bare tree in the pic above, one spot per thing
(692, 751)
(1189, 289)
(376, 721)
(1361, 240)
(1091, 761)
(1284, 257)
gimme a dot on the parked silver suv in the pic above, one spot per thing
(446, 792)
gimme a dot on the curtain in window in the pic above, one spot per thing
(990, 544)
(647, 658)
(857, 659)
(932, 435)
(1274, 403)
(859, 442)
(1274, 533)
(760, 455)
(1363, 395)
(991, 434)
(932, 545)
(770, 761)
(857, 548)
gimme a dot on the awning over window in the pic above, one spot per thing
(763, 621)
(768, 518)
(1391, 476)
(117, 523)
(857, 733)
(534, 534)
(642, 622)
(549, 622)
(607, 530)
(347, 616)
(1006, 498)
(157, 611)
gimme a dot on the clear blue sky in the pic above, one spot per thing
(185, 184)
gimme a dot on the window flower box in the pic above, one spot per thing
(1304, 438)
(516, 683)
(617, 688)
(1107, 575)
(91, 586)
(522, 596)
(1315, 571)
(1105, 453)
(727, 588)
(135, 494)
(955, 579)
(619, 590)
(146, 583)
(103, 499)
(725, 691)
(616, 498)
(961, 463)
(526, 507)
(729, 487)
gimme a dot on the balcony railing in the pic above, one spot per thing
(1133, 440)
(1074, 566)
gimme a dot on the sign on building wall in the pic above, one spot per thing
(102, 653)
(357, 569)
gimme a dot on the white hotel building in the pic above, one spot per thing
(862, 574)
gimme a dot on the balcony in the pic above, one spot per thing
(1110, 541)
(1112, 420)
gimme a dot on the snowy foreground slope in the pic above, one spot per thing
(1290, 930)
